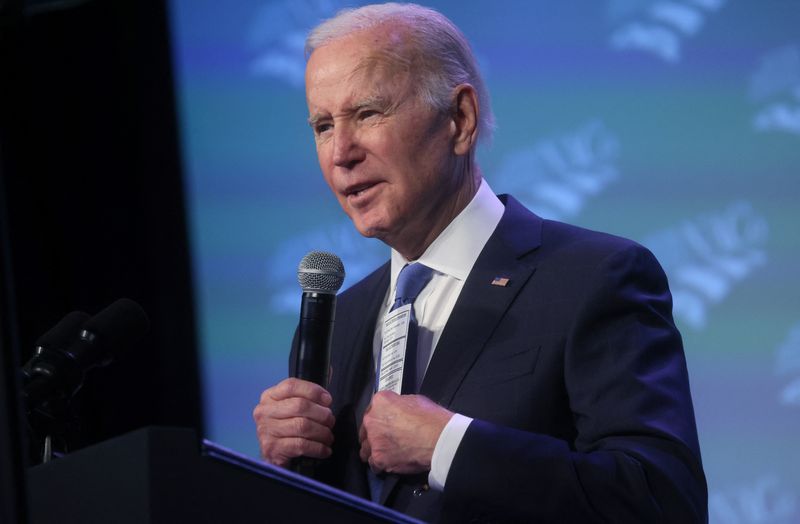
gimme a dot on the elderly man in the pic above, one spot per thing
(545, 380)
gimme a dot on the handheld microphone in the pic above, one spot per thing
(320, 275)
(76, 345)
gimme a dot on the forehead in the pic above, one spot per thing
(360, 63)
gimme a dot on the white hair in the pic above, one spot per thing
(447, 59)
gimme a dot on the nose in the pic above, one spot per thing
(347, 151)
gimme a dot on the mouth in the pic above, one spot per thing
(360, 191)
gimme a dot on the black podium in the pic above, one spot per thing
(165, 475)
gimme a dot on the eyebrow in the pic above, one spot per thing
(314, 120)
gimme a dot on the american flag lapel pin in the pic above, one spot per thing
(500, 281)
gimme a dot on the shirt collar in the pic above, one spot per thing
(456, 249)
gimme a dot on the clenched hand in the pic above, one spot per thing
(294, 419)
(398, 433)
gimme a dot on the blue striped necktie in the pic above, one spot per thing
(412, 280)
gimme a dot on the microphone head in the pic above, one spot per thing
(63, 333)
(320, 272)
(121, 323)
(117, 327)
(52, 344)
(61, 370)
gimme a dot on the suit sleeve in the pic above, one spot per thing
(635, 457)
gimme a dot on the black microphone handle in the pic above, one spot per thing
(315, 332)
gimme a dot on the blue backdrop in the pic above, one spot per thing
(675, 123)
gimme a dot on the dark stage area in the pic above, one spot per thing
(92, 204)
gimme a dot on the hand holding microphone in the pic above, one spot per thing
(293, 418)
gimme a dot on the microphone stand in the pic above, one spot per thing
(51, 426)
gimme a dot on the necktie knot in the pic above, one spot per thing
(410, 282)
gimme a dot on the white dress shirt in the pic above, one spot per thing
(451, 256)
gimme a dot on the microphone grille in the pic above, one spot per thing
(320, 272)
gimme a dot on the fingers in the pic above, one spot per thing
(399, 432)
(281, 440)
(294, 419)
(294, 387)
(295, 398)
(301, 427)
(365, 451)
(280, 452)
(295, 407)
(363, 439)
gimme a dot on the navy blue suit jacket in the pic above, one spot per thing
(574, 373)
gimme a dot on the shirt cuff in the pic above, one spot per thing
(445, 450)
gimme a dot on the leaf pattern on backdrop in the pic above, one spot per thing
(775, 87)
(658, 27)
(278, 33)
(555, 177)
(705, 257)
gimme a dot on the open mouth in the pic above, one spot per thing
(359, 189)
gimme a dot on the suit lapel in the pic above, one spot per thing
(354, 330)
(360, 367)
(478, 309)
(481, 305)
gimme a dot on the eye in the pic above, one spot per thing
(367, 113)
(322, 127)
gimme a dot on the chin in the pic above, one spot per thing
(370, 231)
(367, 226)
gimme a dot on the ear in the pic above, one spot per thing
(465, 119)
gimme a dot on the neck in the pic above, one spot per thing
(462, 194)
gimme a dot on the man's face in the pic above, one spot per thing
(386, 155)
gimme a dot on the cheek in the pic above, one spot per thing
(322, 154)
(325, 164)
